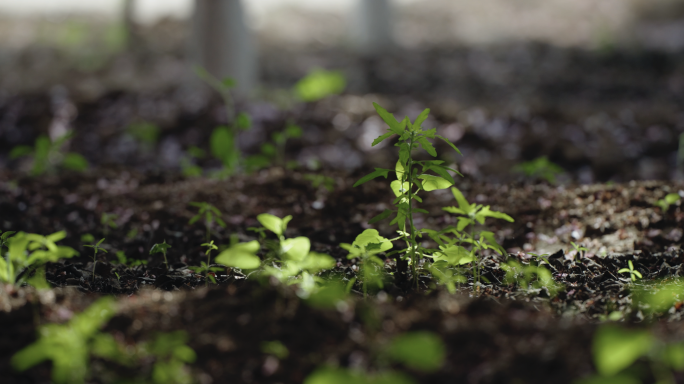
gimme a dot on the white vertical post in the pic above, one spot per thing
(221, 42)
(373, 32)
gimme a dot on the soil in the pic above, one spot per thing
(500, 333)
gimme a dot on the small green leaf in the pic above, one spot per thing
(399, 188)
(242, 255)
(274, 223)
(19, 151)
(293, 131)
(385, 214)
(449, 142)
(377, 173)
(382, 138)
(427, 146)
(421, 118)
(296, 248)
(389, 119)
(243, 121)
(320, 84)
(616, 348)
(228, 82)
(442, 172)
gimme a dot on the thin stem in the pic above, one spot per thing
(206, 272)
(414, 264)
(94, 263)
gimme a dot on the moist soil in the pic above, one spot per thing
(497, 333)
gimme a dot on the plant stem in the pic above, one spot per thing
(94, 263)
(414, 264)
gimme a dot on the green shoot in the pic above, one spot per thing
(669, 199)
(365, 247)
(206, 267)
(274, 152)
(321, 180)
(211, 215)
(161, 248)
(412, 178)
(579, 249)
(48, 154)
(541, 168)
(28, 251)
(96, 248)
(108, 220)
(633, 273)
(534, 276)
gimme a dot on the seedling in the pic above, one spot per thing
(130, 263)
(318, 180)
(274, 152)
(48, 154)
(633, 273)
(579, 249)
(172, 354)
(366, 245)
(96, 248)
(534, 276)
(206, 267)
(224, 139)
(669, 199)
(69, 346)
(412, 177)
(28, 251)
(161, 248)
(275, 348)
(145, 132)
(211, 215)
(541, 168)
(452, 250)
(320, 84)
(108, 220)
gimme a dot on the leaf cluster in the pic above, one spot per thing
(48, 155)
(27, 251)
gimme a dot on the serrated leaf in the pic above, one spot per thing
(377, 173)
(421, 118)
(443, 173)
(430, 133)
(486, 212)
(385, 214)
(382, 138)
(389, 119)
(461, 200)
(404, 153)
(427, 146)
(450, 143)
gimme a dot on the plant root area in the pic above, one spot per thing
(498, 333)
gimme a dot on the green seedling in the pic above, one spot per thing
(211, 215)
(669, 199)
(580, 250)
(144, 132)
(161, 248)
(206, 267)
(540, 168)
(224, 139)
(130, 263)
(69, 346)
(108, 220)
(96, 248)
(274, 152)
(275, 348)
(187, 163)
(412, 177)
(633, 273)
(28, 251)
(365, 247)
(320, 84)
(48, 155)
(318, 181)
(452, 250)
(447, 275)
(534, 276)
(171, 354)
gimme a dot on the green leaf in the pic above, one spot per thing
(442, 172)
(399, 188)
(421, 118)
(377, 173)
(404, 153)
(380, 139)
(420, 350)
(454, 255)
(616, 348)
(19, 151)
(431, 183)
(315, 262)
(427, 146)
(486, 212)
(293, 131)
(222, 143)
(243, 121)
(320, 84)
(274, 223)
(461, 200)
(491, 241)
(242, 255)
(385, 214)
(389, 119)
(295, 249)
(430, 133)
(449, 142)
(227, 82)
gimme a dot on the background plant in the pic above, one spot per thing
(161, 248)
(96, 248)
(365, 247)
(633, 273)
(669, 199)
(412, 177)
(49, 154)
(540, 168)
(211, 215)
(206, 268)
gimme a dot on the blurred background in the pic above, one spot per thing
(587, 91)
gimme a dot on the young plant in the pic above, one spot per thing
(451, 249)
(318, 181)
(320, 84)
(68, 346)
(274, 152)
(224, 139)
(28, 251)
(171, 353)
(534, 276)
(130, 263)
(211, 215)
(412, 178)
(48, 154)
(206, 267)
(96, 248)
(633, 273)
(161, 248)
(540, 168)
(108, 220)
(365, 247)
(669, 199)
(579, 249)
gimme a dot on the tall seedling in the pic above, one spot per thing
(412, 178)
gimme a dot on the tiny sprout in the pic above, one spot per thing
(579, 248)
(211, 214)
(96, 248)
(632, 272)
(210, 247)
(108, 221)
(161, 248)
(670, 199)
